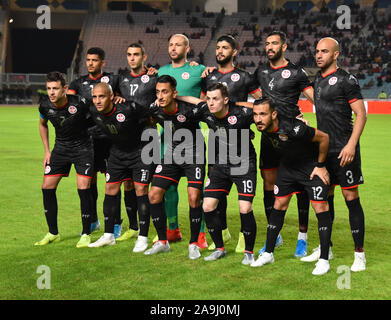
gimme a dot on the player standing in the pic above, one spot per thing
(240, 84)
(137, 86)
(70, 117)
(337, 94)
(302, 165)
(122, 123)
(95, 62)
(188, 80)
(282, 81)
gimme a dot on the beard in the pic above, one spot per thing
(276, 56)
(327, 64)
(224, 61)
(178, 58)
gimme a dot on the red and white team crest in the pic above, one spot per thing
(185, 75)
(107, 177)
(145, 78)
(181, 118)
(72, 109)
(105, 79)
(232, 119)
(333, 81)
(207, 183)
(47, 169)
(120, 117)
(276, 190)
(159, 168)
(285, 74)
(235, 77)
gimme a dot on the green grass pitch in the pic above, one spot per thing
(118, 273)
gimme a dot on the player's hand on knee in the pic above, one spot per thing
(322, 173)
(347, 155)
(207, 71)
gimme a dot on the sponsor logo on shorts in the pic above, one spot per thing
(120, 117)
(232, 119)
(185, 75)
(235, 77)
(47, 169)
(72, 109)
(181, 118)
(333, 81)
(207, 183)
(107, 177)
(105, 79)
(285, 74)
(159, 168)
(145, 78)
(276, 190)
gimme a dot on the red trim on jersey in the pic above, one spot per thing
(111, 112)
(226, 71)
(326, 75)
(126, 179)
(92, 78)
(211, 190)
(246, 195)
(353, 100)
(56, 175)
(137, 75)
(288, 195)
(318, 201)
(74, 91)
(155, 175)
(203, 93)
(224, 116)
(60, 107)
(275, 130)
(306, 88)
(200, 182)
(352, 187)
(170, 114)
(82, 175)
(257, 89)
(142, 184)
(276, 68)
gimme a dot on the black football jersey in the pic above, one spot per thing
(140, 89)
(121, 125)
(228, 131)
(240, 83)
(186, 116)
(284, 85)
(70, 121)
(293, 140)
(83, 86)
(333, 94)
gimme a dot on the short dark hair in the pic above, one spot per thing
(55, 76)
(281, 34)
(230, 39)
(99, 51)
(219, 86)
(266, 100)
(167, 79)
(137, 45)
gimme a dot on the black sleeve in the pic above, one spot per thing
(203, 85)
(201, 111)
(115, 84)
(251, 83)
(301, 131)
(352, 89)
(248, 115)
(74, 86)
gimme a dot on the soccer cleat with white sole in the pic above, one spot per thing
(248, 258)
(128, 235)
(321, 267)
(141, 244)
(194, 251)
(84, 241)
(359, 263)
(215, 255)
(264, 258)
(279, 243)
(316, 255)
(48, 238)
(158, 247)
(106, 240)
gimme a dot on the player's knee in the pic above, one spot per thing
(141, 190)
(154, 196)
(245, 207)
(112, 189)
(281, 203)
(320, 206)
(209, 206)
(350, 194)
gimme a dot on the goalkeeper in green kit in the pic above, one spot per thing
(188, 79)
